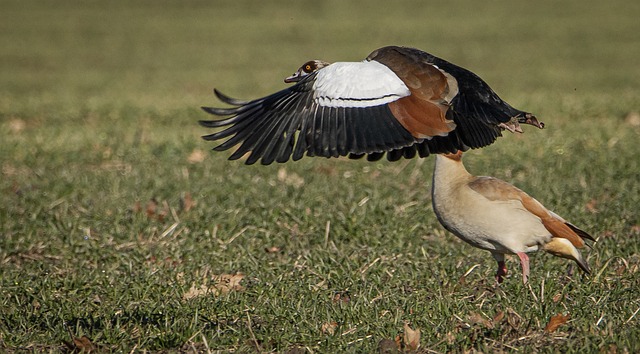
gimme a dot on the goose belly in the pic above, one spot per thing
(504, 227)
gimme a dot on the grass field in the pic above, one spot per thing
(117, 223)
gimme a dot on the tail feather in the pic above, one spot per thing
(560, 229)
(580, 232)
(553, 222)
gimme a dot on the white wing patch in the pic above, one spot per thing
(357, 84)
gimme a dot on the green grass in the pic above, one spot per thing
(98, 110)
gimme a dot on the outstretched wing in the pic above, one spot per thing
(345, 108)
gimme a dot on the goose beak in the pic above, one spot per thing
(293, 78)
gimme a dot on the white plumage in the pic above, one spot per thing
(357, 84)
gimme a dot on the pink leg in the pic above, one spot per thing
(524, 262)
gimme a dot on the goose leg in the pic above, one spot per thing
(502, 268)
(524, 262)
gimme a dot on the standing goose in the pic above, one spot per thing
(493, 215)
(399, 101)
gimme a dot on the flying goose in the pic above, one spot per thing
(493, 215)
(399, 101)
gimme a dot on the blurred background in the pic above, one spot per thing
(170, 54)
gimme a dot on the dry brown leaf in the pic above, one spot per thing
(290, 178)
(196, 156)
(272, 249)
(633, 119)
(326, 170)
(152, 206)
(164, 212)
(83, 344)
(341, 296)
(611, 349)
(329, 328)
(411, 338)
(221, 284)
(225, 283)
(154, 212)
(555, 322)
(186, 202)
(450, 337)
(17, 125)
(10, 170)
(153, 209)
(476, 318)
(557, 297)
(498, 317)
(180, 277)
(194, 292)
(591, 206)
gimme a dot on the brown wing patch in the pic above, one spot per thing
(555, 226)
(495, 189)
(559, 229)
(423, 112)
(421, 118)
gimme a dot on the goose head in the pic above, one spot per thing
(307, 68)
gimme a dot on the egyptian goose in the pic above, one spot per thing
(400, 101)
(493, 215)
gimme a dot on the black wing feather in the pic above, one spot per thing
(289, 124)
(477, 111)
(274, 132)
(283, 143)
(229, 100)
(342, 133)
